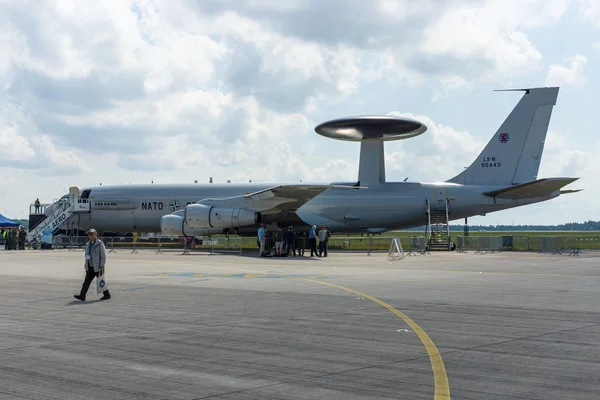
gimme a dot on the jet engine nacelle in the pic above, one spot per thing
(203, 216)
(174, 225)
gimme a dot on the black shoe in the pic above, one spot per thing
(79, 297)
(105, 297)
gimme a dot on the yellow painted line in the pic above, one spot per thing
(249, 275)
(440, 378)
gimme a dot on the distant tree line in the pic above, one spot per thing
(23, 222)
(571, 226)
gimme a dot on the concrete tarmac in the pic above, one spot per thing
(349, 326)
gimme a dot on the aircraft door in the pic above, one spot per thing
(441, 194)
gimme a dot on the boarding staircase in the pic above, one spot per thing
(438, 228)
(57, 215)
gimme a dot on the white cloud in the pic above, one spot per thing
(25, 147)
(441, 152)
(14, 146)
(448, 84)
(127, 36)
(591, 10)
(54, 160)
(573, 74)
(563, 159)
(485, 41)
(269, 53)
(397, 10)
(467, 36)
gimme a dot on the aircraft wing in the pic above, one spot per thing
(286, 198)
(288, 191)
(276, 199)
(537, 188)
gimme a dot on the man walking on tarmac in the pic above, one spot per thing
(95, 259)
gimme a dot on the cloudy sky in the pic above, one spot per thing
(126, 91)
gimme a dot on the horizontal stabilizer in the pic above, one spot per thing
(570, 191)
(533, 189)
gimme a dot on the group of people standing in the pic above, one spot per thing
(287, 242)
(14, 238)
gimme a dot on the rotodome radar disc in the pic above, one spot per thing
(384, 128)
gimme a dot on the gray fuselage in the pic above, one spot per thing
(380, 207)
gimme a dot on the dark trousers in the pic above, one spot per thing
(299, 246)
(323, 248)
(89, 277)
(290, 249)
(313, 247)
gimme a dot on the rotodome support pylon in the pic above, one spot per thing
(371, 132)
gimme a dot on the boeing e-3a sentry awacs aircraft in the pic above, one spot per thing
(503, 176)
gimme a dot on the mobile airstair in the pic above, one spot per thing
(438, 227)
(50, 218)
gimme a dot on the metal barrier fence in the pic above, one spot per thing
(573, 245)
(231, 244)
(479, 244)
(159, 244)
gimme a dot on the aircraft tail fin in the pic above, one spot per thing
(513, 154)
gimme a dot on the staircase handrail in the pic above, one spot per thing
(59, 208)
(41, 221)
(55, 209)
(448, 222)
(42, 208)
